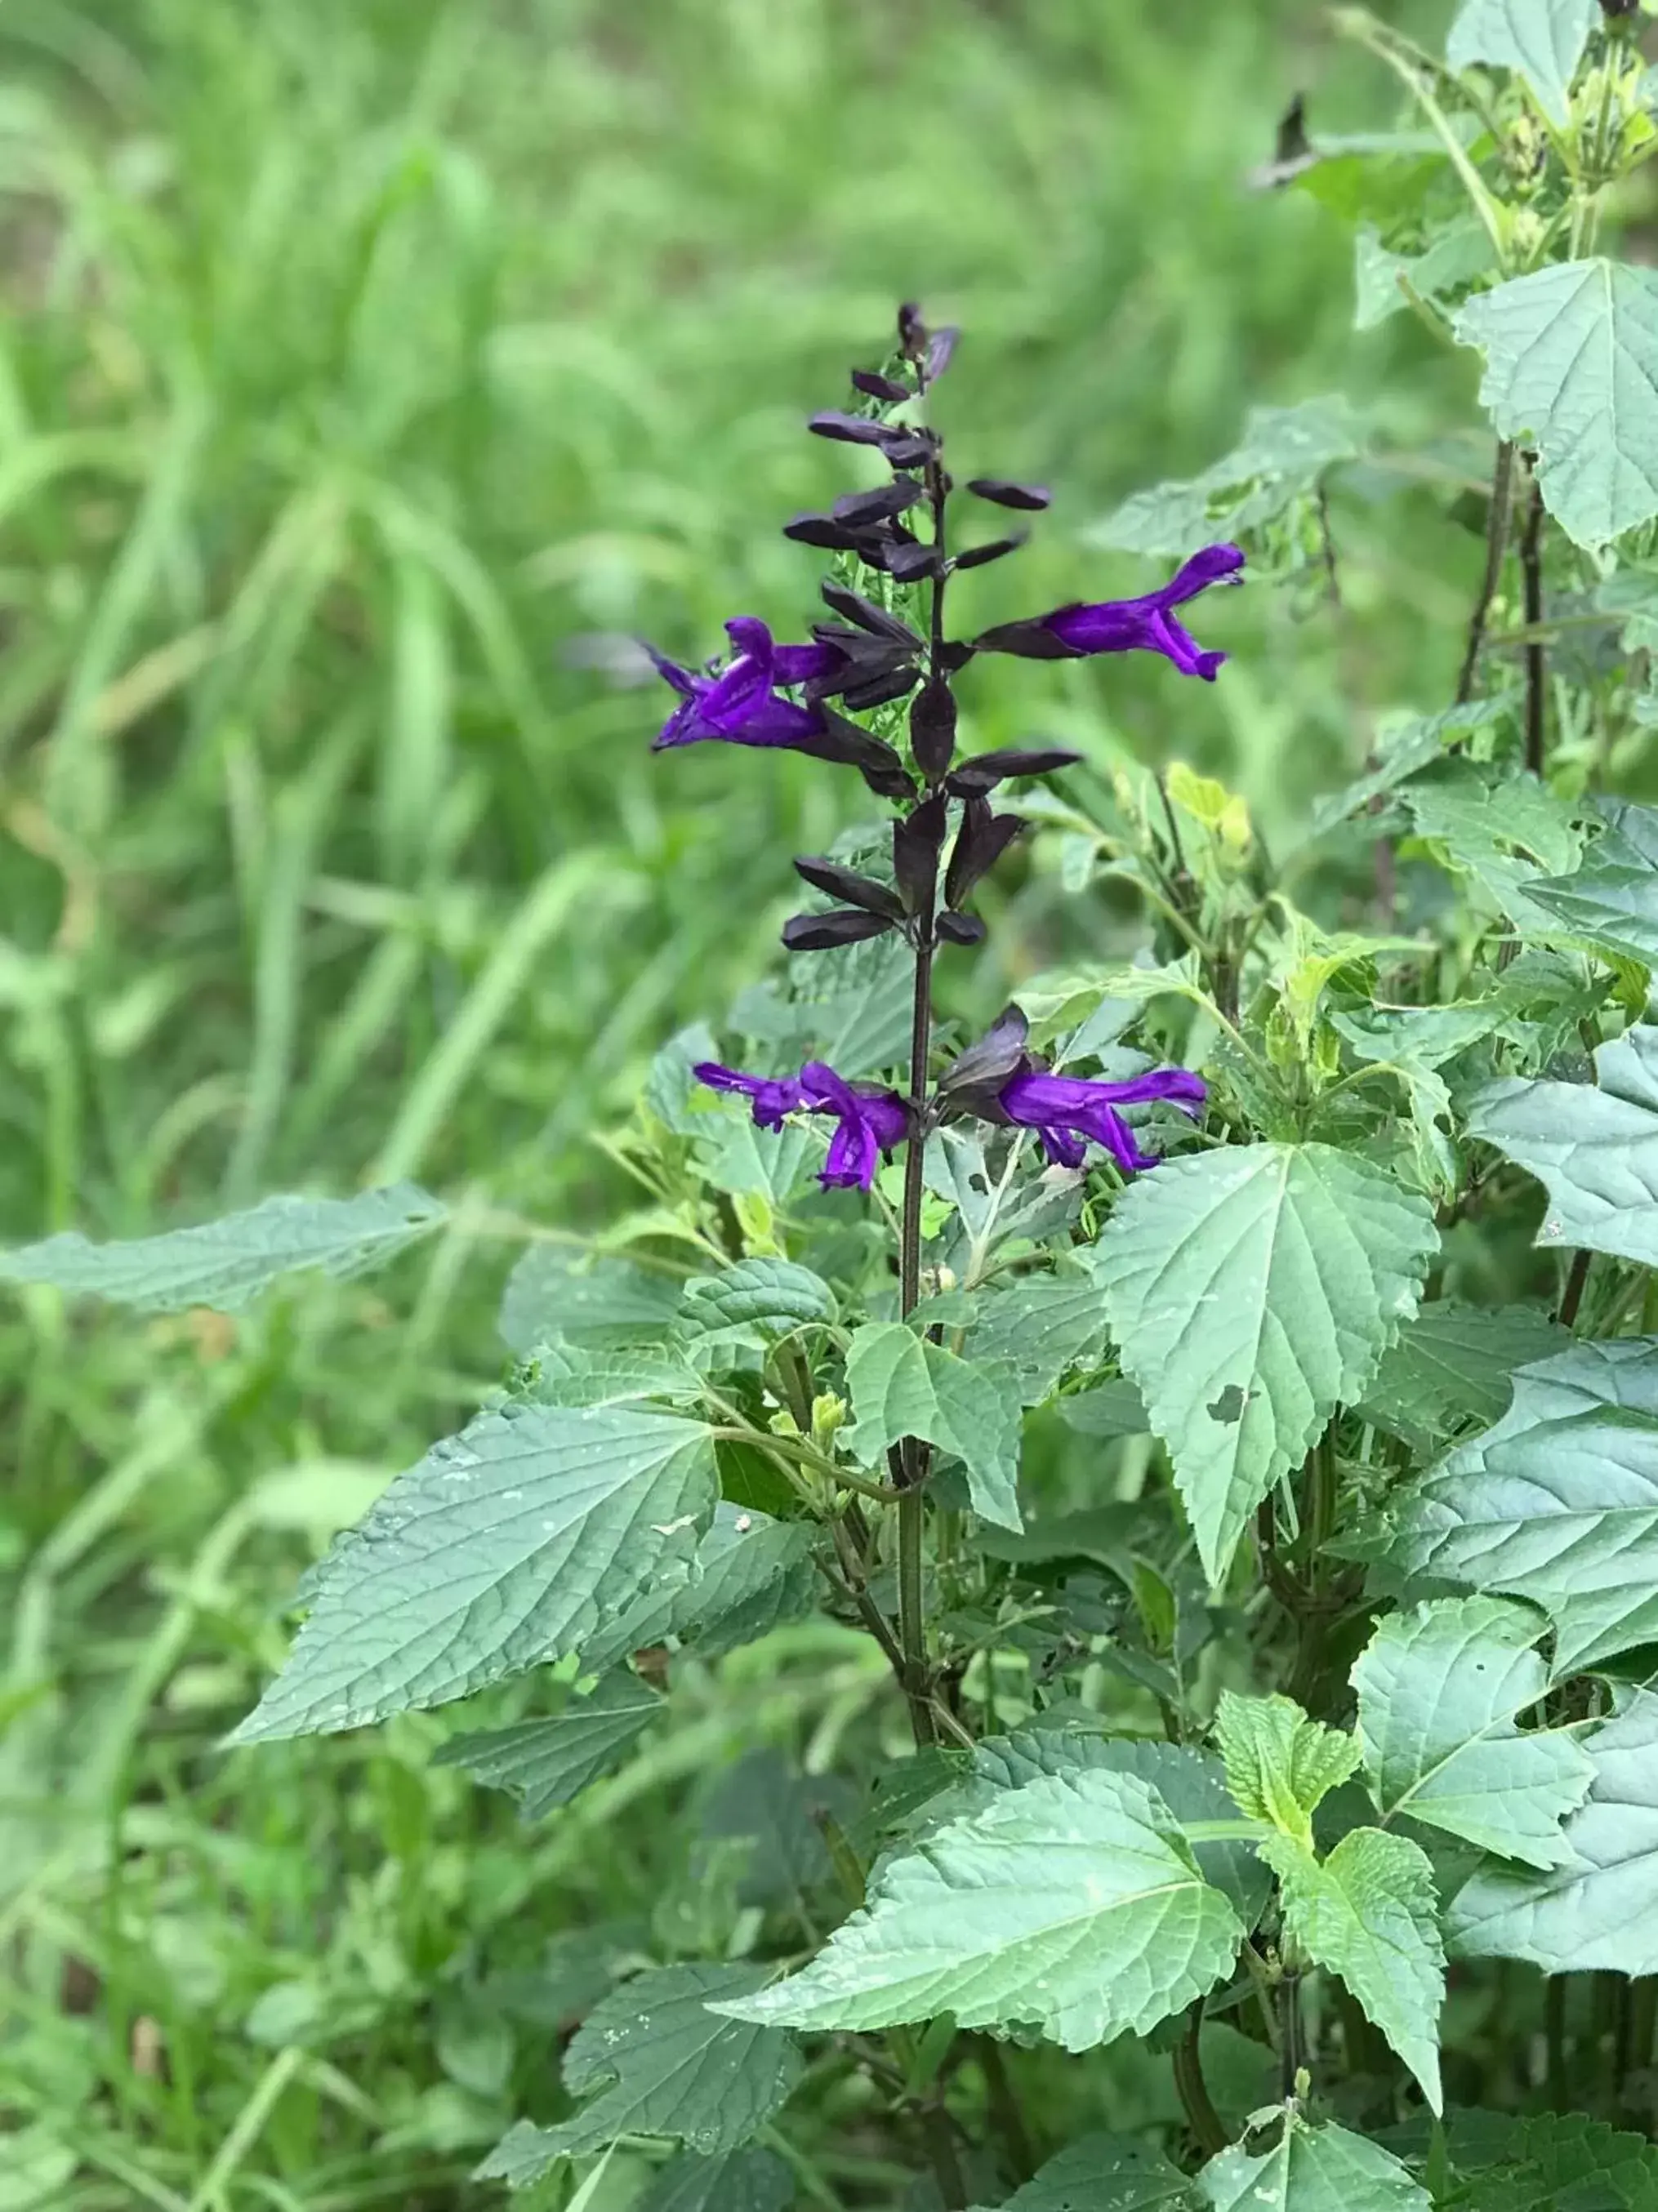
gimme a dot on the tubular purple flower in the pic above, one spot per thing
(1146, 624)
(868, 1123)
(740, 705)
(774, 1096)
(1069, 1111)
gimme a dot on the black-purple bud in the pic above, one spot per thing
(1030, 497)
(822, 932)
(880, 387)
(975, 556)
(980, 842)
(932, 729)
(917, 842)
(959, 929)
(985, 770)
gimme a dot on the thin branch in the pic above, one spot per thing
(1497, 543)
(1531, 570)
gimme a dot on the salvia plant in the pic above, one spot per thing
(1215, 1403)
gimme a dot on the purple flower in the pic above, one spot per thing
(868, 1121)
(774, 1096)
(741, 704)
(1146, 624)
(1068, 1110)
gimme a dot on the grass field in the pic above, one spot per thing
(366, 371)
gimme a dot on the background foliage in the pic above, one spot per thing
(368, 373)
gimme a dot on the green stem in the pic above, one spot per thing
(1208, 2129)
(1531, 570)
(1496, 542)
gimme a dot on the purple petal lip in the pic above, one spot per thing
(1145, 625)
(867, 1122)
(1069, 1111)
(741, 704)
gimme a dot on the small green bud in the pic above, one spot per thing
(828, 1417)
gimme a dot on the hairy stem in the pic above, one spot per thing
(1009, 2121)
(1531, 570)
(1496, 542)
(1289, 2036)
(1572, 1296)
(1208, 2129)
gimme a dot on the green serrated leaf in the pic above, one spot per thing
(1610, 900)
(851, 1006)
(1280, 1766)
(1283, 455)
(771, 1296)
(1250, 1291)
(505, 1546)
(1441, 1689)
(1404, 750)
(555, 1294)
(544, 1762)
(1543, 39)
(1550, 2163)
(1595, 1148)
(1454, 1366)
(747, 1575)
(1571, 365)
(226, 1264)
(901, 1385)
(1040, 1325)
(1369, 1914)
(1112, 1409)
(1558, 1504)
(1383, 281)
(1191, 1783)
(751, 2180)
(560, 1374)
(663, 2064)
(1599, 1908)
(1312, 2170)
(1072, 1906)
(1106, 2173)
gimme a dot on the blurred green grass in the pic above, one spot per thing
(361, 367)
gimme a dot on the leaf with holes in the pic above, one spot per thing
(1190, 1782)
(1250, 1291)
(1040, 1325)
(553, 1296)
(1558, 1504)
(1311, 2170)
(1073, 1905)
(505, 1546)
(901, 1385)
(1106, 2173)
(1543, 39)
(1610, 900)
(1284, 455)
(748, 2180)
(1571, 366)
(1441, 1689)
(663, 2064)
(1369, 1914)
(1594, 1147)
(747, 1575)
(544, 1762)
(1453, 1366)
(226, 1264)
(1598, 1907)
